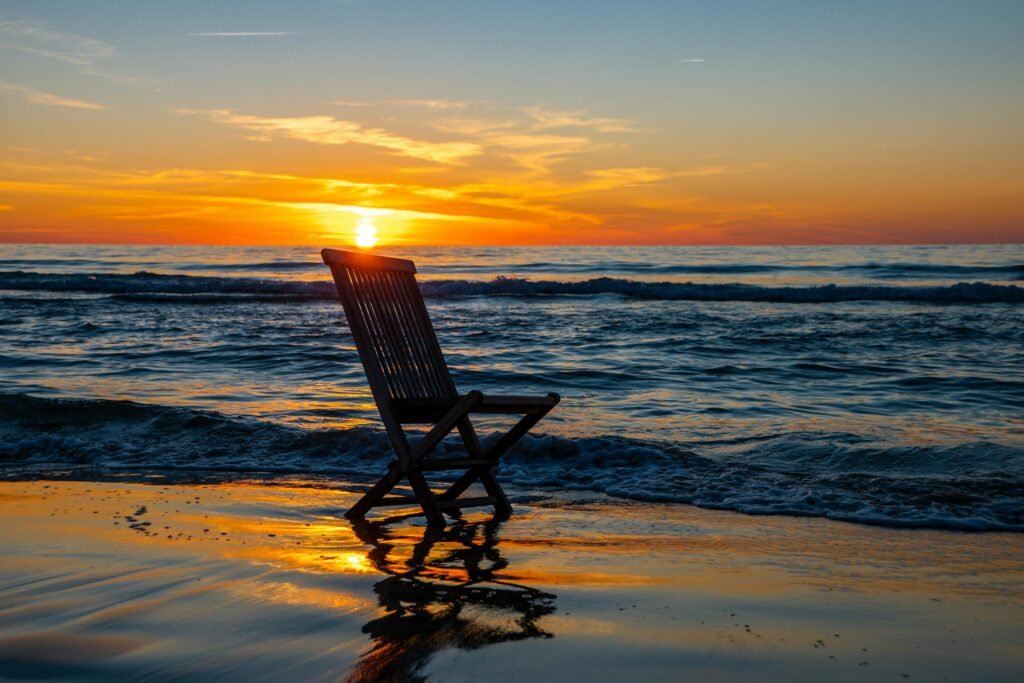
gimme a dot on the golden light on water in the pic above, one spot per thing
(358, 562)
(366, 233)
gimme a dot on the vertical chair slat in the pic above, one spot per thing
(399, 330)
(431, 384)
(363, 298)
(425, 329)
(389, 336)
(437, 367)
(410, 369)
(360, 318)
(423, 384)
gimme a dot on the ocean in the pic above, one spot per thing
(879, 385)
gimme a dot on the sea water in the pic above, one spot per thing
(871, 384)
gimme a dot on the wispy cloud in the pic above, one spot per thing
(539, 152)
(628, 176)
(533, 137)
(243, 34)
(426, 104)
(37, 38)
(692, 60)
(34, 37)
(46, 99)
(327, 130)
(544, 119)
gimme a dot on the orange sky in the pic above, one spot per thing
(162, 132)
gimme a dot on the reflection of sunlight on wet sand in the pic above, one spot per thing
(295, 528)
(678, 581)
(285, 593)
(358, 562)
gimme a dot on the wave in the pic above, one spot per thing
(895, 270)
(968, 487)
(898, 270)
(975, 292)
(144, 282)
(267, 265)
(154, 287)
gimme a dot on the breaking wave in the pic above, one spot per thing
(968, 487)
(152, 287)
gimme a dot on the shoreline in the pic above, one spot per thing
(111, 579)
(350, 482)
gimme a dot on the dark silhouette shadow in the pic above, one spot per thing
(454, 597)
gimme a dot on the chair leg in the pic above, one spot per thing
(484, 474)
(378, 491)
(513, 436)
(472, 442)
(461, 484)
(426, 499)
(491, 485)
(494, 490)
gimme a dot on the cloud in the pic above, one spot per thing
(327, 130)
(544, 120)
(628, 176)
(692, 60)
(539, 152)
(533, 138)
(425, 103)
(33, 37)
(45, 98)
(243, 34)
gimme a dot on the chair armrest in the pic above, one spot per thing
(516, 405)
(430, 410)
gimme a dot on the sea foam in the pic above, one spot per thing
(146, 286)
(968, 487)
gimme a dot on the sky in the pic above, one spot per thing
(511, 122)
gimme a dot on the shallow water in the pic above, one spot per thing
(874, 384)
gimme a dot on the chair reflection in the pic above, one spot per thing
(445, 590)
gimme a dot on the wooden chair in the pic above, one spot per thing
(411, 385)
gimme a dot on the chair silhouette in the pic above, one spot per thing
(411, 384)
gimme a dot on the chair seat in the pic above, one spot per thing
(424, 410)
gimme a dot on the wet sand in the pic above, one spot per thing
(264, 581)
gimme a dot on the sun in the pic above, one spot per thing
(366, 233)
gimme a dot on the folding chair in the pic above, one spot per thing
(411, 385)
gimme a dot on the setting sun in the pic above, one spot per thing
(366, 233)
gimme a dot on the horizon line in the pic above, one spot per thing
(522, 246)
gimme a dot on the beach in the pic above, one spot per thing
(261, 579)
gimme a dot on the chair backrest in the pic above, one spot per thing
(390, 325)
